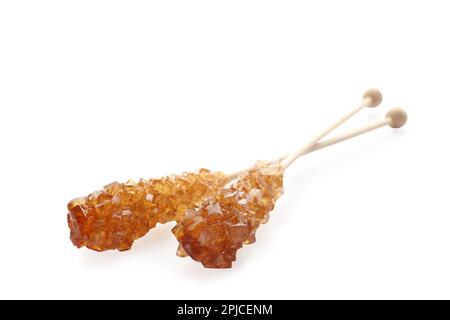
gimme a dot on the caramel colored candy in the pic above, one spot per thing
(120, 213)
(213, 232)
(215, 214)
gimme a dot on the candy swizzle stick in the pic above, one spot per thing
(213, 232)
(216, 214)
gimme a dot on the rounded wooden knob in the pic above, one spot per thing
(375, 97)
(397, 118)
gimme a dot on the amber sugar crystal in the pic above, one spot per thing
(212, 232)
(120, 213)
(216, 214)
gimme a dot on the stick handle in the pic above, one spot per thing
(371, 98)
(395, 118)
(294, 156)
(349, 135)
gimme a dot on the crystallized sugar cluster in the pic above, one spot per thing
(216, 214)
(212, 232)
(123, 212)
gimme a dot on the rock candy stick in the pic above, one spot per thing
(213, 232)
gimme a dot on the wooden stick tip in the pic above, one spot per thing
(397, 118)
(375, 97)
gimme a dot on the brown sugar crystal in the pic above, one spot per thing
(120, 213)
(212, 232)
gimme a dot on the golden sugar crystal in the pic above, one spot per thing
(213, 232)
(120, 213)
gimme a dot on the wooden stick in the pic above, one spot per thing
(371, 98)
(395, 118)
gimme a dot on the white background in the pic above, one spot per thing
(97, 91)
